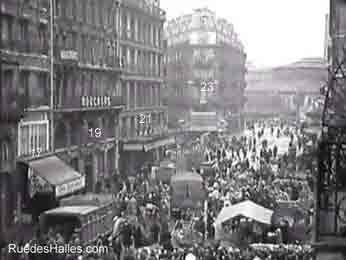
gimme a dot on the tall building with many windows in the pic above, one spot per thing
(24, 85)
(205, 68)
(73, 144)
(144, 119)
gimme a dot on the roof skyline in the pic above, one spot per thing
(274, 33)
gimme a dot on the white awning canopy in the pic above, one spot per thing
(246, 209)
(60, 176)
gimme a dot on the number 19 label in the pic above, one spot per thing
(95, 132)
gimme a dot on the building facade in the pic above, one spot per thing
(24, 85)
(285, 90)
(144, 119)
(87, 87)
(205, 66)
(104, 115)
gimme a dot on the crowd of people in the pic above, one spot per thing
(215, 252)
(246, 169)
(250, 167)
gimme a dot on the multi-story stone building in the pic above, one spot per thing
(24, 77)
(63, 147)
(205, 67)
(144, 119)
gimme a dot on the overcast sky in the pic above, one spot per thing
(274, 32)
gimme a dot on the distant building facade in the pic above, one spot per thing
(205, 66)
(282, 90)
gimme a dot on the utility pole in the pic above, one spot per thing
(51, 22)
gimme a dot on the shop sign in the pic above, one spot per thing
(37, 184)
(69, 55)
(70, 187)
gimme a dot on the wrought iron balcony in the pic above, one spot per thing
(25, 46)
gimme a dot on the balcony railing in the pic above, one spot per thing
(144, 134)
(68, 55)
(25, 46)
(75, 103)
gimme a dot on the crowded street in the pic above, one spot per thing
(173, 130)
(231, 208)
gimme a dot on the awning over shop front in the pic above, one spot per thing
(63, 179)
(146, 146)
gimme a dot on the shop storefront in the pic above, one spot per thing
(135, 154)
(47, 181)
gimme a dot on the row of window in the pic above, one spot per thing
(95, 13)
(104, 14)
(133, 28)
(31, 85)
(24, 36)
(33, 138)
(90, 50)
(144, 95)
(142, 62)
(71, 87)
(93, 50)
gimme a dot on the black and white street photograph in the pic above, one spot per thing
(173, 130)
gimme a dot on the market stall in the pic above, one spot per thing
(236, 224)
(246, 209)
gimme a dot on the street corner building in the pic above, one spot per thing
(80, 100)
(205, 65)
